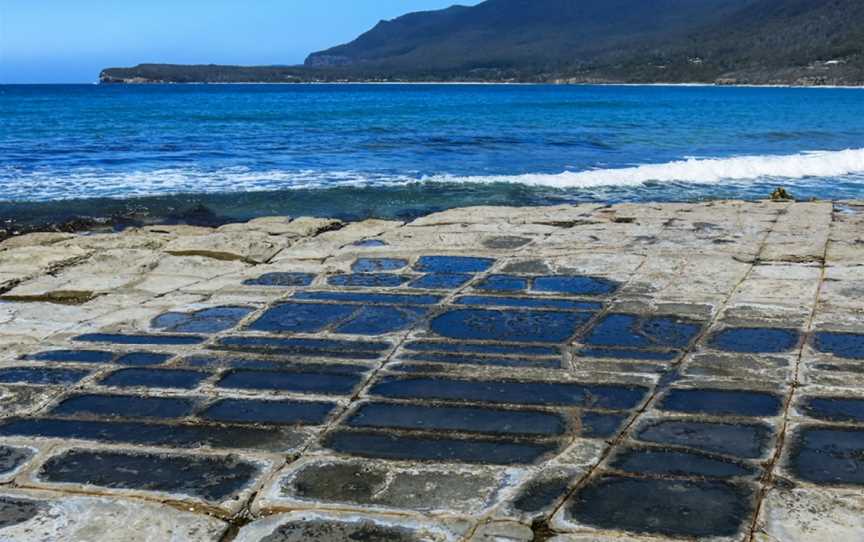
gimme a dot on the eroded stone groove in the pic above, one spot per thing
(688, 371)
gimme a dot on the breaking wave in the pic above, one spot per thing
(46, 185)
(699, 170)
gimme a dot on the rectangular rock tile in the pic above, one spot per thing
(309, 526)
(209, 320)
(574, 285)
(528, 393)
(598, 367)
(482, 348)
(842, 345)
(508, 325)
(467, 359)
(370, 298)
(249, 246)
(374, 265)
(156, 434)
(755, 340)
(291, 381)
(833, 409)
(423, 488)
(809, 514)
(424, 368)
(377, 320)
(368, 280)
(692, 509)
(124, 406)
(452, 264)
(210, 478)
(619, 353)
(21, 399)
(635, 331)
(39, 375)
(391, 446)
(747, 441)
(600, 424)
(301, 317)
(279, 364)
(748, 368)
(120, 338)
(326, 348)
(282, 279)
(98, 356)
(268, 412)
(831, 456)
(440, 281)
(528, 302)
(139, 359)
(155, 378)
(722, 402)
(502, 283)
(31, 516)
(12, 459)
(73, 356)
(492, 421)
(672, 462)
(537, 497)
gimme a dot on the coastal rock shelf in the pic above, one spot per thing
(628, 372)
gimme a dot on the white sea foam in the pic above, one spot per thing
(698, 170)
(53, 185)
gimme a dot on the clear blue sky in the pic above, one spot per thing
(70, 41)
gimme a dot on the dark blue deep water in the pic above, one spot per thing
(402, 150)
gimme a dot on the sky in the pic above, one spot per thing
(71, 41)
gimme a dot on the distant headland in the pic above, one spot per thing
(755, 42)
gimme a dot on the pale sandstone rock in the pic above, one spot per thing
(44, 516)
(347, 526)
(306, 226)
(126, 261)
(787, 272)
(330, 242)
(840, 253)
(197, 266)
(107, 241)
(180, 230)
(36, 259)
(34, 239)
(276, 225)
(604, 538)
(7, 280)
(808, 515)
(679, 259)
(252, 247)
(70, 285)
(503, 531)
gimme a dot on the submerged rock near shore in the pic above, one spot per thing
(571, 373)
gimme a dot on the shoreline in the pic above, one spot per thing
(452, 83)
(201, 215)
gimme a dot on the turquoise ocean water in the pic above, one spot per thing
(401, 150)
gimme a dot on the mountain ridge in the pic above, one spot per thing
(806, 42)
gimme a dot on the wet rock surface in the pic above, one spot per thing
(213, 479)
(474, 375)
(665, 507)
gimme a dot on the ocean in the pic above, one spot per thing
(234, 152)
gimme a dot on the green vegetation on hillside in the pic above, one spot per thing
(731, 41)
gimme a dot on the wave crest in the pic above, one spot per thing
(45, 185)
(695, 170)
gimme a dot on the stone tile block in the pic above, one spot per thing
(31, 516)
